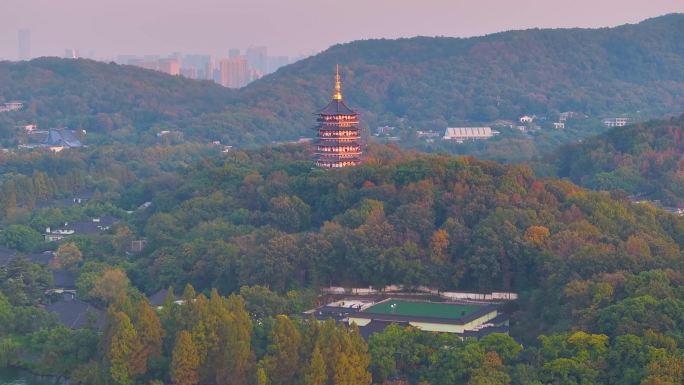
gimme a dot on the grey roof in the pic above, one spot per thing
(63, 279)
(73, 313)
(90, 227)
(336, 107)
(42, 258)
(61, 137)
(6, 255)
(157, 299)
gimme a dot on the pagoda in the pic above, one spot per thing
(337, 143)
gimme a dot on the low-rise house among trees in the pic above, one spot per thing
(77, 314)
(92, 227)
(55, 139)
(461, 134)
(463, 318)
(11, 106)
(616, 122)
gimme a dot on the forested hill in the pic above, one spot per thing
(438, 81)
(431, 82)
(602, 278)
(109, 99)
(643, 159)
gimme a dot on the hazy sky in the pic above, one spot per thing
(288, 27)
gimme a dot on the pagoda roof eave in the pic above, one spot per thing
(336, 107)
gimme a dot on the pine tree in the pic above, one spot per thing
(184, 361)
(184, 314)
(261, 377)
(235, 335)
(352, 359)
(207, 334)
(10, 203)
(285, 358)
(123, 345)
(343, 370)
(329, 344)
(148, 327)
(360, 358)
(316, 372)
(167, 318)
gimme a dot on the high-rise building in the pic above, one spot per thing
(24, 40)
(71, 53)
(275, 62)
(170, 66)
(234, 72)
(211, 69)
(142, 63)
(234, 52)
(257, 58)
(190, 73)
(337, 144)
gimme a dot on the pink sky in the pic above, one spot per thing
(287, 27)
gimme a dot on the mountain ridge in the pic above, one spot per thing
(416, 83)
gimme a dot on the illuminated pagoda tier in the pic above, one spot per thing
(337, 143)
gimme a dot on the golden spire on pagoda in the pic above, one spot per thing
(338, 84)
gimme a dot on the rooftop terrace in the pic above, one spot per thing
(422, 309)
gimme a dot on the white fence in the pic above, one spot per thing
(452, 295)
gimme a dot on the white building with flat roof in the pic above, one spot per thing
(616, 122)
(461, 134)
(11, 106)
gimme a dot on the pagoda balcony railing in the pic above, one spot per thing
(323, 147)
(341, 153)
(337, 122)
(341, 139)
(348, 154)
(337, 118)
(339, 159)
(338, 164)
(337, 143)
(338, 134)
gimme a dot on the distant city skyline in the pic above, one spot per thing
(105, 29)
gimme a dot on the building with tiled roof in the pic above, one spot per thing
(77, 314)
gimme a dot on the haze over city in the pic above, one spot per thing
(105, 29)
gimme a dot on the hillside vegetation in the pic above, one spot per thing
(422, 82)
(600, 280)
(643, 159)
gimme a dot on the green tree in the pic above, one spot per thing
(284, 355)
(67, 255)
(185, 360)
(505, 346)
(235, 335)
(148, 327)
(20, 237)
(6, 316)
(123, 346)
(110, 285)
(315, 373)
(491, 373)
